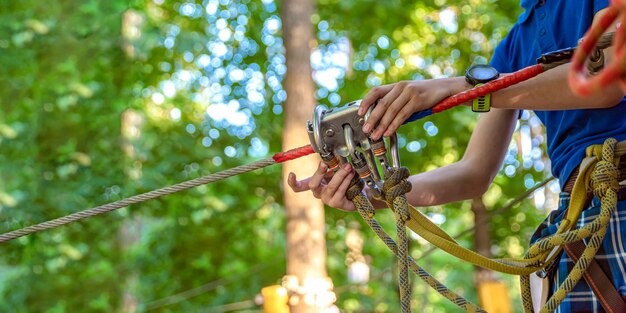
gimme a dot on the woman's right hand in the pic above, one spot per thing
(398, 101)
(326, 185)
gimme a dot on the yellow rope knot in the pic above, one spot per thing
(396, 184)
(604, 178)
(605, 175)
(597, 170)
(395, 188)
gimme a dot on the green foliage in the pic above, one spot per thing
(106, 99)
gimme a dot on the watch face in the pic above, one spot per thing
(483, 72)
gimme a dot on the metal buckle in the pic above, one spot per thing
(337, 135)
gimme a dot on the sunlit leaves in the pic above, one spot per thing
(204, 79)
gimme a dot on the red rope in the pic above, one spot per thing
(612, 72)
(490, 87)
(448, 103)
(293, 154)
(455, 100)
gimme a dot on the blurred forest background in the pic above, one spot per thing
(101, 100)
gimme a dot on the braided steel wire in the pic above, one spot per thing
(136, 199)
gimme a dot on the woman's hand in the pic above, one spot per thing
(397, 102)
(327, 186)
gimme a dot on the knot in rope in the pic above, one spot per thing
(396, 185)
(605, 175)
(354, 191)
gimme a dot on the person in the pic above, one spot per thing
(572, 123)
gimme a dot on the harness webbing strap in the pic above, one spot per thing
(599, 280)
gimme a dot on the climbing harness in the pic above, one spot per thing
(336, 135)
(595, 40)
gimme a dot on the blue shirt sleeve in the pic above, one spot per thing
(499, 57)
(499, 60)
(599, 5)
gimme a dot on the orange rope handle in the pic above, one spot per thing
(293, 154)
(616, 70)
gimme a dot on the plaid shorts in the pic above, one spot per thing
(613, 252)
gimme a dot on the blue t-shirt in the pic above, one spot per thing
(548, 25)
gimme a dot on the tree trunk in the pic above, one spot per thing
(482, 239)
(130, 231)
(306, 247)
(492, 294)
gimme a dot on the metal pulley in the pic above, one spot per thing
(337, 135)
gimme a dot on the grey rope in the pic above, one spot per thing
(135, 199)
(605, 40)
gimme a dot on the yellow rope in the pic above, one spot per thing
(366, 210)
(598, 172)
(395, 196)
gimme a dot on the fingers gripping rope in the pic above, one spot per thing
(490, 87)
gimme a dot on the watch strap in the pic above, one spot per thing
(482, 104)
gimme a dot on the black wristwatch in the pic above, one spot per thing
(480, 74)
(477, 75)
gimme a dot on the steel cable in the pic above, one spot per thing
(135, 199)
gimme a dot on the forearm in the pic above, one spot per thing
(471, 176)
(547, 91)
(443, 185)
(446, 184)
(550, 91)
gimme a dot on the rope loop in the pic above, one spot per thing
(355, 188)
(605, 175)
(354, 191)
